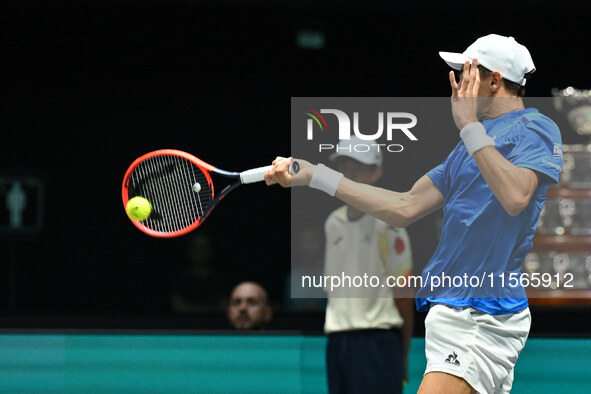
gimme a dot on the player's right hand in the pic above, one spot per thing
(280, 173)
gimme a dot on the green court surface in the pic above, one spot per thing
(142, 363)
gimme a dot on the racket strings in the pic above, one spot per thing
(167, 182)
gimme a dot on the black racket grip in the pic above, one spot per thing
(294, 167)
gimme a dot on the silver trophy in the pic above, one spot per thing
(576, 104)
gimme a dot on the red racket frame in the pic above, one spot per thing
(205, 168)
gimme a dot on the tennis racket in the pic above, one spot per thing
(180, 189)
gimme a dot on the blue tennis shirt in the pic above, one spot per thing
(479, 238)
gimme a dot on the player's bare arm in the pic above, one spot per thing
(512, 186)
(394, 208)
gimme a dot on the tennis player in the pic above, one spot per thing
(492, 187)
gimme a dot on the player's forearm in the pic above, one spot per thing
(512, 186)
(394, 208)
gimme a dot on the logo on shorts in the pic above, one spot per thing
(453, 359)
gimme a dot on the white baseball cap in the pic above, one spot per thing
(366, 152)
(496, 53)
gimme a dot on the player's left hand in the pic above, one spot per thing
(464, 97)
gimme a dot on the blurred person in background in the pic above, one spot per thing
(369, 335)
(249, 307)
(197, 286)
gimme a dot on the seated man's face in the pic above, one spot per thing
(248, 309)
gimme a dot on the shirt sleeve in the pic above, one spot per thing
(439, 177)
(538, 147)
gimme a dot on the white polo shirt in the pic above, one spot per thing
(364, 247)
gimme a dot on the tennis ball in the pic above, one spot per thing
(138, 208)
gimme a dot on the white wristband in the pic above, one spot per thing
(326, 179)
(475, 138)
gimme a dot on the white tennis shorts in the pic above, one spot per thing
(473, 345)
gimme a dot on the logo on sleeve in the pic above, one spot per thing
(557, 150)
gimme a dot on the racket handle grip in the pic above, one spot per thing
(254, 175)
(294, 167)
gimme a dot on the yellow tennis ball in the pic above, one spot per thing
(138, 208)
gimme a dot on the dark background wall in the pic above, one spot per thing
(88, 86)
